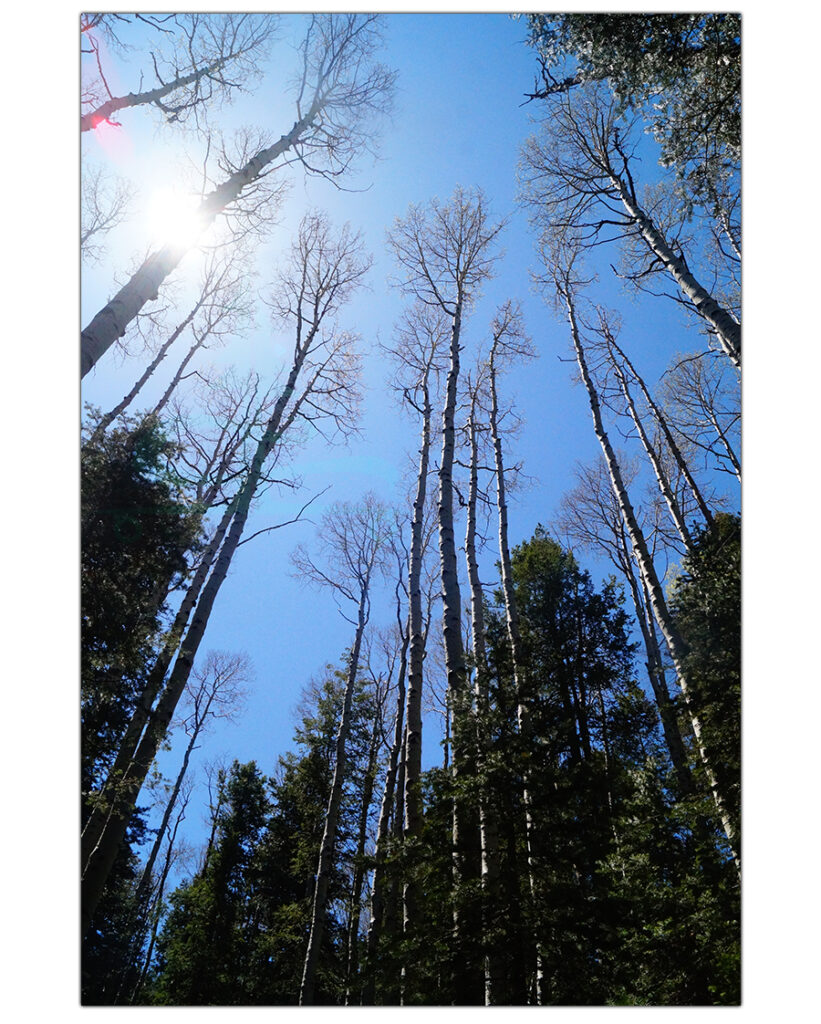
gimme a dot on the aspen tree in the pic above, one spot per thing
(665, 428)
(445, 252)
(488, 824)
(509, 343)
(562, 275)
(319, 279)
(676, 514)
(353, 540)
(590, 515)
(420, 339)
(202, 58)
(577, 173)
(386, 804)
(341, 93)
(221, 309)
(704, 408)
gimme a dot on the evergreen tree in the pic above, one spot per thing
(203, 949)
(136, 529)
(706, 603)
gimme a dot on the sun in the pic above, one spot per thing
(172, 217)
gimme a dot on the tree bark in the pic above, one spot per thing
(488, 824)
(455, 667)
(102, 854)
(725, 327)
(326, 848)
(672, 638)
(416, 633)
(515, 640)
(111, 322)
(412, 780)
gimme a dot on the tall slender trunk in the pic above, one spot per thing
(725, 327)
(655, 673)
(455, 667)
(412, 781)
(352, 964)
(100, 859)
(112, 799)
(661, 419)
(488, 824)
(416, 635)
(326, 846)
(375, 923)
(672, 638)
(661, 477)
(516, 651)
(112, 320)
(121, 406)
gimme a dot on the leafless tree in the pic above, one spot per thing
(174, 852)
(199, 60)
(578, 172)
(561, 265)
(590, 517)
(420, 339)
(216, 690)
(223, 309)
(383, 650)
(341, 93)
(703, 407)
(445, 252)
(352, 544)
(510, 344)
(477, 431)
(319, 277)
(394, 646)
(104, 203)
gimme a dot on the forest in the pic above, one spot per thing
(455, 350)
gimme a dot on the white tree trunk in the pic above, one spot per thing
(326, 847)
(111, 322)
(727, 329)
(648, 572)
(515, 640)
(488, 825)
(661, 419)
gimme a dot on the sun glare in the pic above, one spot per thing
(172, 218)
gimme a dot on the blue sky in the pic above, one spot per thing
(41, 400)
(459, 119)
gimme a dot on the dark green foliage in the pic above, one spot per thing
(247, 913)
(676, 899)
(107, 969)
(204, 947)
(634, 900)
(707, 606)
(136, 530)
(683, 70)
